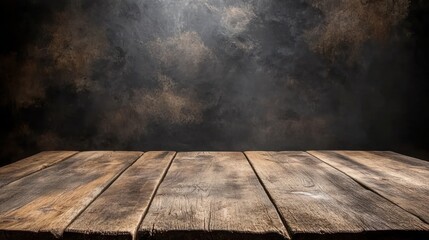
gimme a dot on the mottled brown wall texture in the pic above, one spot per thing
(214, 75)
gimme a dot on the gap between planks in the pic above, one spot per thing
(284, 222)
(44, 165)
(362, 184)
(104, 189)
(131, 193)
(136, 230)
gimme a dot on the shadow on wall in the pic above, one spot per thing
(214, 75)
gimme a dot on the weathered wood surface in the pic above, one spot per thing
(43, 204)
(215, 195)
(17, 170)
(401, 179)
(117, 212)
(315, 199)
(211, 194)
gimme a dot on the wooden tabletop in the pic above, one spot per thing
(215, 195)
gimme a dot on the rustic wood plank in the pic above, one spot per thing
(317, 201)
(212, 195)
(118, 211)
(401, 179)
(43, 204)
(26, 166)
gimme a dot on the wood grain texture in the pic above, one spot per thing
(43, 204)
(117, 212)
(317, 201)
(26, 166)
(211, 195)
(401, 179)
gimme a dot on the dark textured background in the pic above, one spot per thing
(214, 74)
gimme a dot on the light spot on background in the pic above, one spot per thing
(235, 19)
(350, 23)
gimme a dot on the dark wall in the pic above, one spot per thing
(214, 74)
